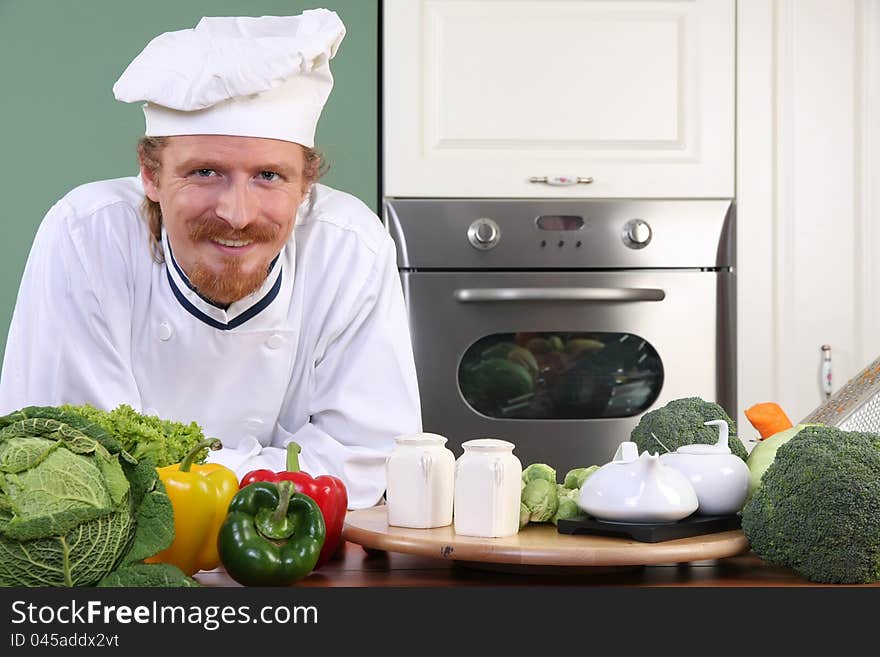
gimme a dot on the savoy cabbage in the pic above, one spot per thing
(76, 509)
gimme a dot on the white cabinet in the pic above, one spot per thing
(808, 210)
(480, 96)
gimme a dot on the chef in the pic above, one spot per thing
(224, 285)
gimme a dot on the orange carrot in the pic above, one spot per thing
(768, 418)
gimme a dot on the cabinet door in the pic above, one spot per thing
(480, 96)
(808, 207)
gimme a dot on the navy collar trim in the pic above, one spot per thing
(186, 282)
(236, 321)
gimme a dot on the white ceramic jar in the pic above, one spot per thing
(420, 475)
(487, 489)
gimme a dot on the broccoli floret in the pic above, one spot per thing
(818, 508)
(680, 423)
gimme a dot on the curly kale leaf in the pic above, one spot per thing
(145, 436)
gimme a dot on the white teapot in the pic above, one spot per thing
(634, 488)
(720, 478)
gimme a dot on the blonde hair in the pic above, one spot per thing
(149, 150)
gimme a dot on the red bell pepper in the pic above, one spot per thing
(328, 492)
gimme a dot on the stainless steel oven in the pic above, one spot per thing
(556, 324)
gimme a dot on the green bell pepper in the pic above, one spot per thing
(272, 535)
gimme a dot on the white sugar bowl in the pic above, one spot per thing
(719, 477)
(635, 488)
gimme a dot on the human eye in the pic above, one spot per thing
(205, 173)
(269, 176)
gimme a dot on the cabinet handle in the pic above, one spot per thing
(825, 382)
(561, 180)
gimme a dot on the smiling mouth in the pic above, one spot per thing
(232, 243)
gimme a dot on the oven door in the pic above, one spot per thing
(563, 364)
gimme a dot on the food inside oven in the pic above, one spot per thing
(560, 375)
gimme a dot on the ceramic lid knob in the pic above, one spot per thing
(627, 451)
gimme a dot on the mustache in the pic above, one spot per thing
(211, 228)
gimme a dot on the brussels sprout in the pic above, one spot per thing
(574, 479)
(568, 503)
(541, 498)
(539, 471)
(562, 491)
(524, 514)
(568, 508)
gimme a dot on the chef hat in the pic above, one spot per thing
(251, 77)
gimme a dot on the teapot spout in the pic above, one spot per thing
(651, 466)
(723, 431)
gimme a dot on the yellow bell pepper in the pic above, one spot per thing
(200, 496)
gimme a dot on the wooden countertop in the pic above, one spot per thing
(354, 566)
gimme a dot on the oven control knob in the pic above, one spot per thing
(484, 233)
(636, 234)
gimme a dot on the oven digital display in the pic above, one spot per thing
(560, 222)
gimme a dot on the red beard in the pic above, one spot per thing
(229, 284)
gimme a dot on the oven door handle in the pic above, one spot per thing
(595, 294)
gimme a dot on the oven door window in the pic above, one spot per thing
(560, 376)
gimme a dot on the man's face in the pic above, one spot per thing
(228, 206)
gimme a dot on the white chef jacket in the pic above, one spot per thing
(320, 354)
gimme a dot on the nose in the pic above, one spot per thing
(236, 204)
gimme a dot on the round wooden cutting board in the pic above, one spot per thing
(536, 544)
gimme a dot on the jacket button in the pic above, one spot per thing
(165, 331)
(275, 341)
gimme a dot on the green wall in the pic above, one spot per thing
(60, 125)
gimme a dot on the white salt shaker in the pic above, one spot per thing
(420, 474)
(487, 489)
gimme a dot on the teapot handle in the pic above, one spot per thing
(723, 431)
